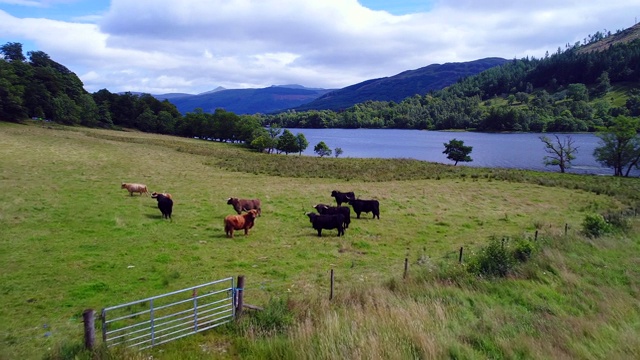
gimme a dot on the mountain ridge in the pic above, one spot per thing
(402, 85)
(278, 98)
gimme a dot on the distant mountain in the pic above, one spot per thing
(400, 86)
(279, 98)
(171, 96)
(245, 101)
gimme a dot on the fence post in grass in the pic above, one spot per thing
(331, 291)
(89, 329)
(239, 295)
(460, 256)
(566, 229)
(536, 237)
(406, 268)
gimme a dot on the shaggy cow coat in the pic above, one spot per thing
(139, 188)
(240, 205)
(240, 222)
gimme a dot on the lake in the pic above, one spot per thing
(502, 150)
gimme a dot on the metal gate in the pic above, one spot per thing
(160, 319)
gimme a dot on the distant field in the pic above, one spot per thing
(71, 239)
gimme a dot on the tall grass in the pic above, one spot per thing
(572, 305)
(71, 239)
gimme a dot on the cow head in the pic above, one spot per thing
(252, 214)
(321, 208)
(231, 201)
(334, 193)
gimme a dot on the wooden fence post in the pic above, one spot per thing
(89, 329)
(566, 229)
(460, 256)
(536, 237)
(406, 268)
(331, 293)
(239, 295)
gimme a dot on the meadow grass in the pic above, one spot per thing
(71, 239)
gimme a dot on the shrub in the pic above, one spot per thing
(493, 260)
(594, 225)
(618, 220)
(523, 250)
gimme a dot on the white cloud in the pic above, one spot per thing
(196, 45)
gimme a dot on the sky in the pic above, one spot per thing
(194, 46)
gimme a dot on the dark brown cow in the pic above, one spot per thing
(240, 205)
(239, 222)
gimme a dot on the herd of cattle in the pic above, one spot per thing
(328, 217)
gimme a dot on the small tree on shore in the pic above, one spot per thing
(457, 151)
(619, 145)
(561, 153)
(287, 142)
(302, 143)
(322, 149)
(338, 151)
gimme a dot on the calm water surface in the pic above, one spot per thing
(519, 150)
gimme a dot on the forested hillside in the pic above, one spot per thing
(570, 90)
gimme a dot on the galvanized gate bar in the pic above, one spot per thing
(166, 319)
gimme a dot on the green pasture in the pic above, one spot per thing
(72, 239)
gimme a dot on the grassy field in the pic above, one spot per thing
(71, 239)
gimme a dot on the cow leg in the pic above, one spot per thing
(358, 214)
(319, 232)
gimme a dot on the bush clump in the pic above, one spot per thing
(498, 258)
(595, 225)
(492, 260)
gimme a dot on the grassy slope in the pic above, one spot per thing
(71, 239)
